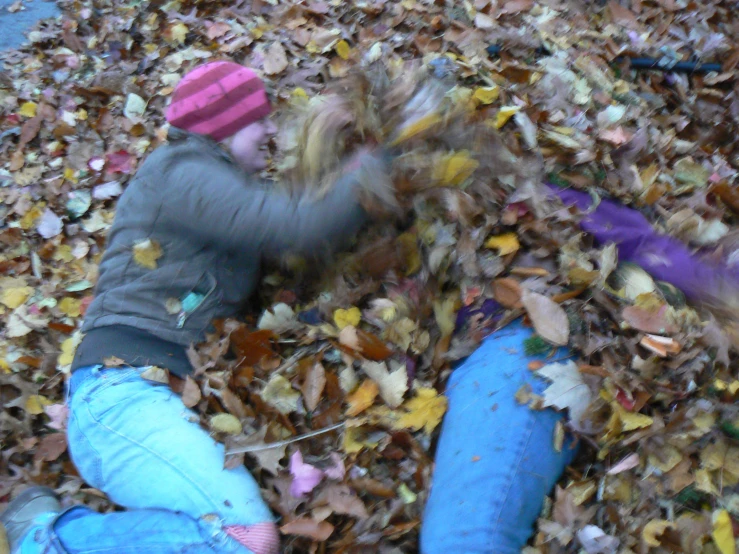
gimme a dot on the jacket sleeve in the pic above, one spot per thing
(664, 257)
(239, 216)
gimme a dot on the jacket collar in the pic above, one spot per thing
(175, 135)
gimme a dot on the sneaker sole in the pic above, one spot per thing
(22, 499)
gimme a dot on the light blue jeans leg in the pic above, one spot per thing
(495, 460)
(136, 441)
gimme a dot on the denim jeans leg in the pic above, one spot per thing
(495, 460)
(136, 441)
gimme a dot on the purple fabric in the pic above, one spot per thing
(664, 257)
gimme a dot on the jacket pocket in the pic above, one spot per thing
(197, 306)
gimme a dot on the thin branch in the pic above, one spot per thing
(260, 447)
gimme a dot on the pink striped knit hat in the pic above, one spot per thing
(218, 99)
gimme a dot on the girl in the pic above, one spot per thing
(185, 248)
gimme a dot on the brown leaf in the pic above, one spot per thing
(191, 394)
(342, 500)
(548, 317)
(29, 131)
(507, 292)
(51, 447)
(251, 348)
(516, 6)
(367, 344)
(649, 321)
(315, 380)
(72, 41)
(233, 404)
(307, 527)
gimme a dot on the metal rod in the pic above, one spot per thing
(653, 64)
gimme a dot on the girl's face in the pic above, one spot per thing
(249, 147)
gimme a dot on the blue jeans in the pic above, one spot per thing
(136, 441)
(495, 460)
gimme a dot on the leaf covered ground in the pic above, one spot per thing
(359, 349)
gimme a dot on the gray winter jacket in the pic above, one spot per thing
(213, 225)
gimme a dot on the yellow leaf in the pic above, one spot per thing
(156, 374)
(342, 49)
(70, 306)
(15, 296)
(445, 312)
(406, 494)
(4, 366)
(225, 423)
(704, 482)
(425, 411)
(423, 124)
(506, 243)
(487, 95)
(146, 253)
(582, 491)
(408, 243)
(723, 534)
(355, 439)
(28, 109)
(28, 220)
(504, 114)
(362, 398)
(35, 404)
(633, 421)
(455, 168)
(70, 175)
(666, 458)
(68, 348)
(178, 32)
(279, 394)
(298, 97)
(63, 253)
(654, 529)
(343, 317)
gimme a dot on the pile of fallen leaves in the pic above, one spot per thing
(351, 358)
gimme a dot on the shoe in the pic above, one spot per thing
(26, 511)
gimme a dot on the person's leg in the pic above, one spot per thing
(136, 441)
(495, 460)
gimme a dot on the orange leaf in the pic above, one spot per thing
(362, 398)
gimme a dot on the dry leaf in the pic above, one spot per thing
(723, 532)
(392, 385)
(315, 381)
(548, 317)
(225, 423)
(351, 316)
(275, 60)
(505, 244)
(279, 394)
(146, 253)
(156, 374)
(507, 292)
(362, 398)
(424, 411)
(567, 391)
(307, 527)
(191, 393)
